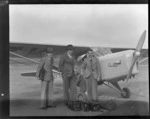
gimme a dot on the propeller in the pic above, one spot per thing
(136, 54)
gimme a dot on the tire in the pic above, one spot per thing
(127, 93)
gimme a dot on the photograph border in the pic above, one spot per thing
(4, 41)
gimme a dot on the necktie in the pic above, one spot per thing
(51, 61)
(70, 56)
(91, 64)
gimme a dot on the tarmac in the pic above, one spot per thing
(25, 95)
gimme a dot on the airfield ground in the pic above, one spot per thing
(25, 93)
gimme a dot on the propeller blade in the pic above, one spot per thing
(141, 42)
(130, 70)
(137, 53)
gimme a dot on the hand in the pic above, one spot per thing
(100, 82)
(59, 70)
(38, 78)
(98, 79)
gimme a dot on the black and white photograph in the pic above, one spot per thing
(78, 60)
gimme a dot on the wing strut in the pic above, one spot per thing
(55, 71)
(24, 57)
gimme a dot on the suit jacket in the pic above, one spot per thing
(66, 65)
(87, 69)
(45, 64)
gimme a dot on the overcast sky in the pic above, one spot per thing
(82, 25)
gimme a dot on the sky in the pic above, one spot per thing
(98, 25)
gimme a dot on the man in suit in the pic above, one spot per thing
(66, 66)
(45, 74)
(91, 71)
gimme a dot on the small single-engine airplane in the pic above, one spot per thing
(114, 66)
(121, 65)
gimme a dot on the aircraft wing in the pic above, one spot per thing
(38, 50)
(31, 52)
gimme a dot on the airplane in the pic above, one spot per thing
(115, 67)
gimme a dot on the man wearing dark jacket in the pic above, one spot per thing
(66, 66)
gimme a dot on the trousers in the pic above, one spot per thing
(46, 93)
(66, 85)
(70, 89)
(73, 89)
(91, 84)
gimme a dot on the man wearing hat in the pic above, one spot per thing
(66, 66)
(45, 74)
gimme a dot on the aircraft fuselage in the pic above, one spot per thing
(115, 66)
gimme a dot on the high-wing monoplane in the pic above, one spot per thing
(121, 65)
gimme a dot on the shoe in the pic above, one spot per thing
(43, 108)
(100, 82)
(65, 103)
(52, 106)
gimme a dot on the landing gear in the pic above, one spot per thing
(126, 93)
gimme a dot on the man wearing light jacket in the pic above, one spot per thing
(92, 72)
(45, 74)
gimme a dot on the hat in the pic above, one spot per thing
(69, 47)
(49, 50)
(90, 50)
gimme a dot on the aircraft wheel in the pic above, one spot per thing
(126, 93)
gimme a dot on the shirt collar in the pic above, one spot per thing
(49, 58)
(69, 56)
(91, 59)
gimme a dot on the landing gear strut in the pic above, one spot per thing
(125, 92)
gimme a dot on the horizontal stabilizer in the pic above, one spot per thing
(29, 74)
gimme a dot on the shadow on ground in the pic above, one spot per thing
(130, 108)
